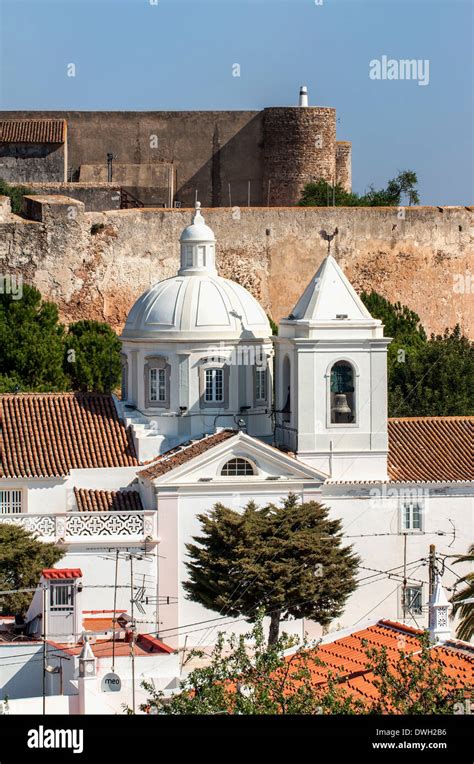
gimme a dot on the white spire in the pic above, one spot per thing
(439, 620)
(329, 296)
(197, 247)
(86, 652)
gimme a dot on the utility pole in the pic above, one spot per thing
(114, 617)
(44, 650)
(432, 576)
(132, 643)
(404, 586)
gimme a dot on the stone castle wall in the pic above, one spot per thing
(300, 146)
(94, 265)
(227, 157)
(344, 165)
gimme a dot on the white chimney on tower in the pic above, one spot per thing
(303, 96)
(439, 620)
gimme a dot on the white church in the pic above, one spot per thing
(214, 408)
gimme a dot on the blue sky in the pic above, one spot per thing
(178, 54)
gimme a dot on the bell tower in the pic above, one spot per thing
(331, 372)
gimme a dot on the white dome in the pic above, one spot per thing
(197, 304)
(196, 307)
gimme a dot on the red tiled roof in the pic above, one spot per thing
(182, 454)
(431, 449)
(55, 573)
(107, 501)
(145, 645)
(49, 434)
(33, 131)
(346, 657)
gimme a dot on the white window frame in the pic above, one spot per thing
(214, 375)
(157, 385)
(261, 382)
(410, 611)
(11, 501)
(241, 459)
(410, 507)
(64, 603)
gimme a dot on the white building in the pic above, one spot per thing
(198, 423)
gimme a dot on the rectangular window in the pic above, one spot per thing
(189, 256)
(10, 501)
(414, 600)
(158, 385)
(61, 597)
(261, 384)
(201, 254)
(161, 385)
(153, 384)
(412, 516)
(214, 392)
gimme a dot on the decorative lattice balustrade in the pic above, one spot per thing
(83, 526)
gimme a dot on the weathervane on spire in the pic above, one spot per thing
(329, 237)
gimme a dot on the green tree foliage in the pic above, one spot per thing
(16, 194)
(22, 558)
(286, 560)
(461, 606)
(426, 376)
(399, 190)
(92, 356)
(244, 675)
(37, 353)
(31, 343)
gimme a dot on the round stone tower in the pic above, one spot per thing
(299, 147)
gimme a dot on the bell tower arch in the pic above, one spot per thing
(335, 414)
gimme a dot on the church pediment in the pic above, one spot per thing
(229, 457)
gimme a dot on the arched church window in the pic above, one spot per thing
(237, 466)
(157, 382)
(343, 409)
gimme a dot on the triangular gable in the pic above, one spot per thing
(269, 462)
(329, 294)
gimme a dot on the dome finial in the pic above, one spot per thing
(197, 217)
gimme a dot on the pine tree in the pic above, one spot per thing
(22, 558)
(285, 560)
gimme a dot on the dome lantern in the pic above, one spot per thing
(198, 245)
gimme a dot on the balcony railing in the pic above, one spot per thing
(90, 527)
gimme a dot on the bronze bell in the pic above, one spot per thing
(340, 404)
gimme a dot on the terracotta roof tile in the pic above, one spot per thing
(33, 131)
(145, 645)
(49, 434)
(184, 453)
(347, 657)
(107, 501)
(431, 449)
(61, 573)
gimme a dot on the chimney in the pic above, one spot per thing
(439, 619)
(303, 96)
